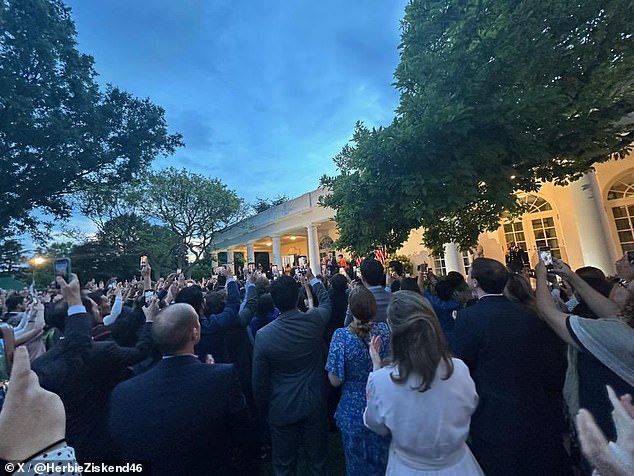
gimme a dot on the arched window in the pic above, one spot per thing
(326, 244)
(537, 228)
(535, 203)
(621, 202)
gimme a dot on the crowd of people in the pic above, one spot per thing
(496, 374)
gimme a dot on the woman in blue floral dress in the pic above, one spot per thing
(349, 365)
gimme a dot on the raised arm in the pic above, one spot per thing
(53, 367)
(325, 305)
(126, 356)
(602, 306)
(250, 304)
(34, 325)
(547, 307)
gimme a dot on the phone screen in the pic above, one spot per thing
(148, 297)
(546, 256)
(62, 268)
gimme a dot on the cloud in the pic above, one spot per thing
(265, 93)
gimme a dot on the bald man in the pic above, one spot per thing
(182, 416)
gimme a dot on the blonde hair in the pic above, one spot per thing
(417, 342)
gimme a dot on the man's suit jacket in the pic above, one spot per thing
(382, 298)
(518, 364)
(288, 362)
(214, 327)
(180, 416)
(86, 389)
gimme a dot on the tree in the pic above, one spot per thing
(59, 133)
(496, 97)
(116, 249)
(11, 255)
(192, 206)
(262, 204)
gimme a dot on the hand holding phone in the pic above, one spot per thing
(62, 269)
(545, 255)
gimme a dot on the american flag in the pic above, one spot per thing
(380, 254)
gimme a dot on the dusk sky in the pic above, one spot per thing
(265, 93)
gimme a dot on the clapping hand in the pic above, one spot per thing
(375, 349)
(595, 445)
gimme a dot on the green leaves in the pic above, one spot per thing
(192, 206)
(496, 97)
(58, 133)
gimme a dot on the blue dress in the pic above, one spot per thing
(349, 359)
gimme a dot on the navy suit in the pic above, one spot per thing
(518, 365)
(181, 416)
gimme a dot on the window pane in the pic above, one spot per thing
(619, 212)
(539, 234)
(625, 236)
(508, 228)
(554, 243)
(520, 237)
(622, 224)
(549, 221)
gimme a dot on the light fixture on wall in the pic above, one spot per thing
(293, 237)
(269, 243)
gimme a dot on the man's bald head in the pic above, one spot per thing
(176, 329)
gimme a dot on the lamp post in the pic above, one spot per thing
(36, 261)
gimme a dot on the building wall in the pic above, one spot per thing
(571, 215)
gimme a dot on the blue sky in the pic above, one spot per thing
(265, 93)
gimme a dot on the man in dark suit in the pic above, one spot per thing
(517, 365)
(372, 275)
(181, 416)
(288, 375)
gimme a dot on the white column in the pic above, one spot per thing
(230, 256)
(453, 258)
(277, 251)
(592, 224)
(313, 249)
(250, 254)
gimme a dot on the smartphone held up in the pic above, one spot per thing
(62, 268)
(546, 256)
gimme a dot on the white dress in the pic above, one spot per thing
(429, 429)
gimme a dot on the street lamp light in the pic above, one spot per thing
(36, 261)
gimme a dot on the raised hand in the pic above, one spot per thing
(375, 348)
(71, 290)
(595, 445)
(32, 418)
